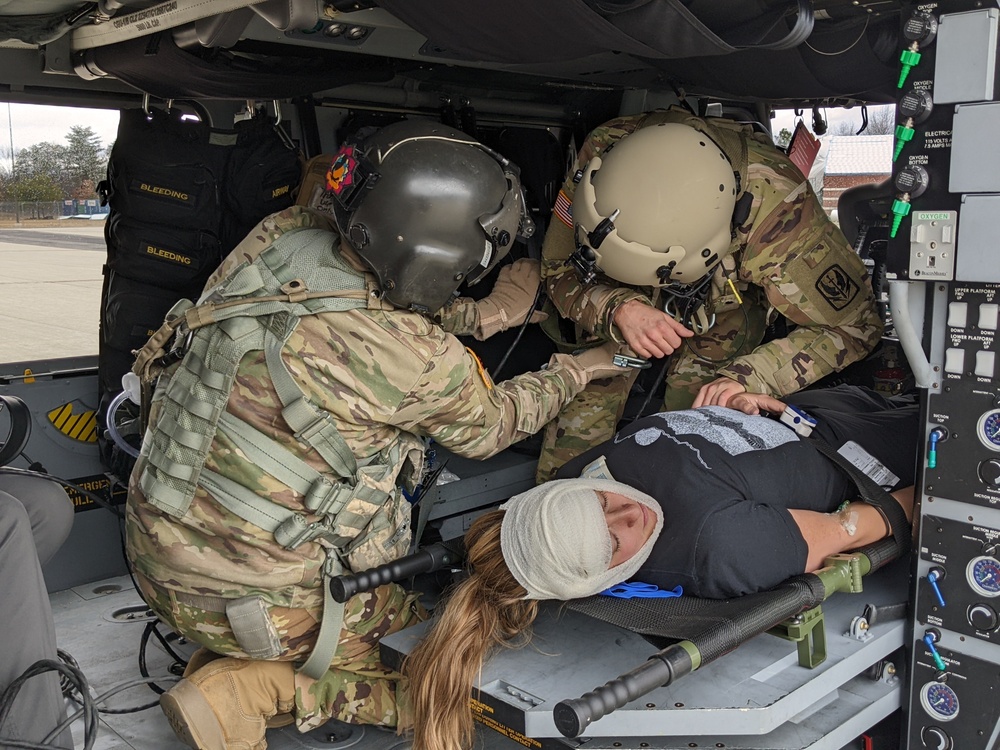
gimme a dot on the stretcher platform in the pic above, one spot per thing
(755, 698)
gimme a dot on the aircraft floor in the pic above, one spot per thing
(93, 626)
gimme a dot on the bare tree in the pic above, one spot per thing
(881, 121)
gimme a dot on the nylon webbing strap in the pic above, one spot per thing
(873, 494)
(329, 634)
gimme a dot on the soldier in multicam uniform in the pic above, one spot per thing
(378, 374)
(684, 241)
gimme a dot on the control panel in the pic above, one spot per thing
(945, 212)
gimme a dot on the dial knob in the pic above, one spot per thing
(916, 104)
(913, 180)
(989, 472)
(982, 617)
(935, 738)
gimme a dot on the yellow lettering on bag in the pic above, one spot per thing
(159, 252)
(166, 192)
(280, 191)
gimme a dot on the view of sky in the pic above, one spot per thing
(29, 124)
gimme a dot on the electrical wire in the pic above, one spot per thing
(847, 48)
(110, 692)
(88, 710)
(520, 332)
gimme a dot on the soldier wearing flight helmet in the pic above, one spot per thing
(684, 238)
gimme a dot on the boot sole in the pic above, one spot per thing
(191, 717)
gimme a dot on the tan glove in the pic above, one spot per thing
(592, 364)
(512, 298)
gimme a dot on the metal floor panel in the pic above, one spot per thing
(107, 652)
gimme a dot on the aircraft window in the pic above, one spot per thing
(844, 158)
(51, 229)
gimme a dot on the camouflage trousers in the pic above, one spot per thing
(357, 688)
(592, 417)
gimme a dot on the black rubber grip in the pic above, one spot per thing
(424, 560)
(881, 553)
(572, 717)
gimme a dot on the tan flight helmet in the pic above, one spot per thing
(656, 209)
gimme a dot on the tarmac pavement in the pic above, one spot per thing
(50, 291)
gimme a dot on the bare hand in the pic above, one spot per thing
(718, 393)
(649, 332)
(755, 403)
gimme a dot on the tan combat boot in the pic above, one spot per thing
(226, 704)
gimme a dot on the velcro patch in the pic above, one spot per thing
(837, 287)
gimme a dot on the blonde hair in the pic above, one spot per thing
(482, 613)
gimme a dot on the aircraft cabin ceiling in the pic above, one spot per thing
(796, 51)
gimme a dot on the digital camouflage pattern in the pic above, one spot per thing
(386, 378)
(787, 258)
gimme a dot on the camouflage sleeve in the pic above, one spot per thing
(591, 306)
(811, 276)
(455, 402)
(460, 318)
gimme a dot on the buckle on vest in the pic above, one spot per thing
(295, 530)
(327, 498)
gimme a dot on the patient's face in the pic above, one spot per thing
(631, 525)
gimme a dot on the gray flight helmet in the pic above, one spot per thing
(428, 208)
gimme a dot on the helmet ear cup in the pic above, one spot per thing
(672, 192)
(430, 209)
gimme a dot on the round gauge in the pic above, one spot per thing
(988, 429)
(983, 575)
(939, 700)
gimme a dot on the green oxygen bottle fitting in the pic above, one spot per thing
(919, 30)
(910, 58)
(900, 210)
(914, 108)
(911, 182)
(904, 134)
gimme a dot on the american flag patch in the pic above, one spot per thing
(564, 209)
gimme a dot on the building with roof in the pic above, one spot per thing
(855, 160)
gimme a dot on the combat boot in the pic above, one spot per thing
(226, 704)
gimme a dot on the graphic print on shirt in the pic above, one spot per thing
(731, 430)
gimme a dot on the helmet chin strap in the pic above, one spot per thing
(686, 303)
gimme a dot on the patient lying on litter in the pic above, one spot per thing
(720, 501)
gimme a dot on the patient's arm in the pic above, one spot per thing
(827, 534)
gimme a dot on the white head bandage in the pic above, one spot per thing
(556, 542)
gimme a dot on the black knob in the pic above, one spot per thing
(935, 738)
(982, 617)
(913, 180)
(920, 27)
(989, 472)
(916, 104)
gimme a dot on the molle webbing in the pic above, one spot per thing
(195, 395)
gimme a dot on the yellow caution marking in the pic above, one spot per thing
(79, 423)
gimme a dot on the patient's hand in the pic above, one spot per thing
(755, 403)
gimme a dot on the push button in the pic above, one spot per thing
(988, 317)
(958, 314)
(985, 363)
(954, 361)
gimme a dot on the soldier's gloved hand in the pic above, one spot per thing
(592, 364)
(512, 298)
